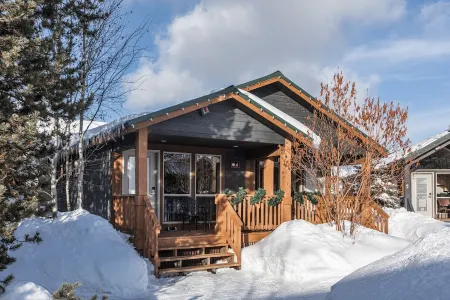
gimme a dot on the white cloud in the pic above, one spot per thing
(436, 17)
(220, 43)
(398, 51)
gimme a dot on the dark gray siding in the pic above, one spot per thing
(234, 178)
(97, 182)
(284, 101)
(224, 122)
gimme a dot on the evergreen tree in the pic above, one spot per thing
(37, 77)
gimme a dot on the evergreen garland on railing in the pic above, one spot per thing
(238, 198)
(313, 197)
(258, 196)
(276, 199)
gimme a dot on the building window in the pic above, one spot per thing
(207, 174)
(177, 170)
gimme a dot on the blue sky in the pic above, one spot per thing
(395, 49)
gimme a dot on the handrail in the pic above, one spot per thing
(152, 229)
(229, 224)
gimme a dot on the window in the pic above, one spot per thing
(177, 169)
(207, 175)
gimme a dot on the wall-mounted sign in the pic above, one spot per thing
(235, 165)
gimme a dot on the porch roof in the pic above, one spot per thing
(284, 121)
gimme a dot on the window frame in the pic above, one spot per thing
(190, 174)
(220, 175)
(125, 182)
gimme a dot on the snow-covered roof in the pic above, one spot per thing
(420, 148)
(294, 122)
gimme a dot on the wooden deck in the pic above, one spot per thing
(242, 225)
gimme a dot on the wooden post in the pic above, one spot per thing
(269, 169)
(250, 176)
(285, 179)
(141, 184)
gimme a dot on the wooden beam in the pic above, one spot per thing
(141, 147)
(250, 176)
(263, 153)
(286, 179)
(269, 169)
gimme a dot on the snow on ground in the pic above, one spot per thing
(411, 226)
(79, 246)
(420, 271)
(300, 251)
(298, 260)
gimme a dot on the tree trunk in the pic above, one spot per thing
(68, 174)
(53, 182)
(80, 165)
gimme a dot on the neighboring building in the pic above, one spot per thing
(161, 174)
(427, 177)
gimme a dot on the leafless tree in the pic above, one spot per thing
(108, 47)
(348, 160)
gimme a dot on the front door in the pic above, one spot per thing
(422, 193)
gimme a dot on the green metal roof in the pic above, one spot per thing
(234, 89)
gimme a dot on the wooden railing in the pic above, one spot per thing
(151, 231)
(259, 217)
(126, 219)
(229, 224)
(380, 219)
(124, 212)
(305, 211)
(372, 216)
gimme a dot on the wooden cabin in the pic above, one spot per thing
(162, 175)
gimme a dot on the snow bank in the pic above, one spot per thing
(420, 271)
(22, 290)
(298, 250)
(79, 246)
(411, 226)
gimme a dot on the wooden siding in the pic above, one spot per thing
(225, 122)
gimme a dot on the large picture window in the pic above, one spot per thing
(207, 174)
(177, 169)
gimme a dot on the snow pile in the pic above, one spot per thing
(79, 247)
(411, 226)
(298, 250)
(420, 271)
(21, 290)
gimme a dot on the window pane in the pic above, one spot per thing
(131, 172)
(176, 173)
(207, 174)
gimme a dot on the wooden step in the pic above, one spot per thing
(200, 256)
(212, 245)
(197, 268)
